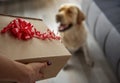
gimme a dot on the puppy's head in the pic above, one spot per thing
(68, 16)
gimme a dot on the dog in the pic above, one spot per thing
(72, 30)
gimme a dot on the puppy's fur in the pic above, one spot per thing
(72, 30)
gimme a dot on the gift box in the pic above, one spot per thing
(33, 50)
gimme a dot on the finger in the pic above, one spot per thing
(39, 76)
(38, 65)
(43, 65)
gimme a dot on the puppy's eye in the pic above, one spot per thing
(59, 10)
(69, 11)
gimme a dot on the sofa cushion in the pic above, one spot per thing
(112, 48)
(85, 7)
(111, 8)
(103, 19)
(92, 17)
(102, 29)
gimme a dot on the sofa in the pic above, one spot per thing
(103, 21)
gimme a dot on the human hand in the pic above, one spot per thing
(35, 72)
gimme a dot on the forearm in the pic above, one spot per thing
(12, 71)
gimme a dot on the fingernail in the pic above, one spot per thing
(49, 63)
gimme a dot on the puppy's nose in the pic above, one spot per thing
(58, 17)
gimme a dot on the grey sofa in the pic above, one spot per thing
(103, 21)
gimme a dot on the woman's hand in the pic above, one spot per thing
(34, 72)
(21, 73)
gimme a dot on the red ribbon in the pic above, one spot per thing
(24, 30)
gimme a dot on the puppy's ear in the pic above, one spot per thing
(80, 16)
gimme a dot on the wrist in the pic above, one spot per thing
(24, 73)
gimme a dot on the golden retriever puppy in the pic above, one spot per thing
(72, 31)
